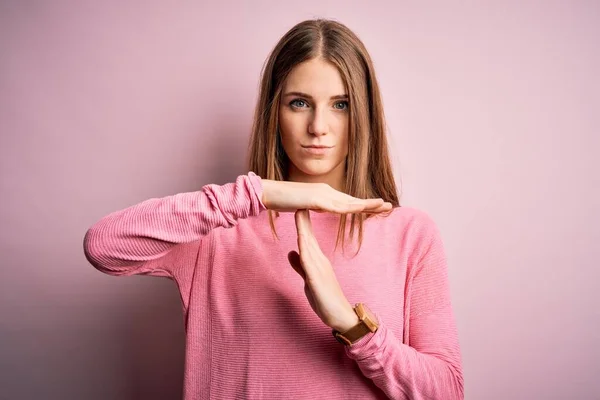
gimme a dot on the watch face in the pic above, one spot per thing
(367, 317)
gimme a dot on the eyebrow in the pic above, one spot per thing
(308, 96)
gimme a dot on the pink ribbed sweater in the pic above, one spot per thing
(250, 332)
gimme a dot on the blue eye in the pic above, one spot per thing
(297, 103)
(341, 105)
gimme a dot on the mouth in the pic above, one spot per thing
(317, 150)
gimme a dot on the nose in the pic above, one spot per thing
(318, 125)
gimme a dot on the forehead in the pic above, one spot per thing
(316, 77)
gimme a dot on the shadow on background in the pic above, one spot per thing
(153, 340)
(151, 332)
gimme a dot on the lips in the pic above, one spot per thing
(317, 150)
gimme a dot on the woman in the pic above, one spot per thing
(373, 322)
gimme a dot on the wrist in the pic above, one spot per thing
(267, 186)
(347, 322)
(368, 323)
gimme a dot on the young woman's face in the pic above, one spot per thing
(313, 121)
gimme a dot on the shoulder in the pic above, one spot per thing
(410, 220)
(413, 214)
(414, 229)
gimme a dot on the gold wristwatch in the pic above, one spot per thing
(367, 323)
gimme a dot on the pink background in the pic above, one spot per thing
(493, 114)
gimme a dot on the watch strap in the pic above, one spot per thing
(353, 335)
(366, 325)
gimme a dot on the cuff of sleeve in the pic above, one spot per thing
(369, 345)
(256, 183)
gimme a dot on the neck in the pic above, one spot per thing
(336, 178)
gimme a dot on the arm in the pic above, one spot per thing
(127, 241)
(141, 239)
(428, 364)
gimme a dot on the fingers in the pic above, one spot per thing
(303, 224)
(353, 205)
(373, 204)
(304, 229)
(309, 249)
(384, 206)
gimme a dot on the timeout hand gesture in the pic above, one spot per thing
(291, 196)
(320, 283)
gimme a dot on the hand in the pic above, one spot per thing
(291, 196)
(321, 287)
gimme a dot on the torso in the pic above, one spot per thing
(249, 319)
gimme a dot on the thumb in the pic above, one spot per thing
(294, 259)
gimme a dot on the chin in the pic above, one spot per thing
(316, 172)
(316, 168)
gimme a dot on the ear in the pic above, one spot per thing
(294, 259)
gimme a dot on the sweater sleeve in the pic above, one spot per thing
(427, 363)
(158, 235)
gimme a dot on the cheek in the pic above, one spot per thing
(292, 126)
(343, 135)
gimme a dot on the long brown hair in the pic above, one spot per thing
(368, 168)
